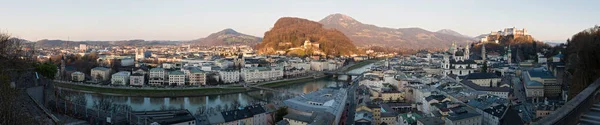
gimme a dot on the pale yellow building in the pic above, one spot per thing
(484, 79)
(392, 96)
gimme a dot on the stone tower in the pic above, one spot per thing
(62, 74)
(509, 55)
(467, 53)
(483, 54)
(139, 54)
(453, 48)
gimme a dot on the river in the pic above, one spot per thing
(193, 103)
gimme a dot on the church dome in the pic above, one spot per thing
(459, 53)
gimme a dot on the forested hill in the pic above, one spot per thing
(292, 32)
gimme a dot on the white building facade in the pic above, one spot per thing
(457, 62)
(77, 76)
(136, 80)
(100, 74)
(120, 78)
(261, 74)
(157, 76)
(229, 76)
(176, 78)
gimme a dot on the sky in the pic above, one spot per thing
(548, 20)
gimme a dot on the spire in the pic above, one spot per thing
(483, 54)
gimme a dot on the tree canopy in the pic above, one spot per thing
(47, 70)
(582, 58)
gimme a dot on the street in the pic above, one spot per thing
(519, 90)
(351, 101)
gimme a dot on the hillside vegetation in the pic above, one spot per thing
(582, 58)
(294, 31)
(523, 48)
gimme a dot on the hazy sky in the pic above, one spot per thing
(192, 19)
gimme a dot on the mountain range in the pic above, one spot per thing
(360, 34)
(227, 37)
(407, 38)
(452, 32)
(62, 43)
(224, 37)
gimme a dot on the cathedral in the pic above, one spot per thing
(456, 61)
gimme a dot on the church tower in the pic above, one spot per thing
(509, 55)
(467, 53)
(454, 48)
(139, 54)
(446, 63)
(62, 74)
(483, 54)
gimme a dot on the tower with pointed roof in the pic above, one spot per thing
(453, 50)
(509, 55)
(483, 54)
(459, 63)
(62, 67)
(467, 52)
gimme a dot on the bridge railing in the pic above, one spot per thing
(570, 113)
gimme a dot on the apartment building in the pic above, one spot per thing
(157, 76)
(120, 78)
(229, 76)
(261, 74)
(100, 74)
(137, 79)
(176, 78)
(77, 77)
(197, 77)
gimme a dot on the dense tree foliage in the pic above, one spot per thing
(47, 70)
(295, 31)
(484, 67)
(583, 59)
(280, 113)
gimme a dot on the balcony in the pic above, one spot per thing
(583, 109)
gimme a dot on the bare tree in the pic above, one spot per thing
(201, 110)
(227, 107)
(163, 107)
(13, 62)
(219, 108)
(78, 99)
(104, 104)
(181, 107)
